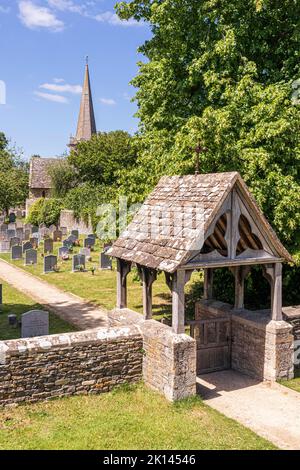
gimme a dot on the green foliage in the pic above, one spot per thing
(100, 160)
(45, 211)
(13, 176)
(63, 177)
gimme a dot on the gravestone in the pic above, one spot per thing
(20, 233)
(75, 233)
(11, 226)
(105, 261)
(44, 232)
(26, 234)
(50, 262)
(12, 217)
(106, 247)
(78, 260)
(27, 226)
(91, 235)
(52, 228)
(4, 246)
(15, 241)
(48, 245)
(11, 233)
(62, 251)
(2, 218)
(30, 257)
(89, 242)
(35, 323)
(57, 235)
(34, 241)
(19, 213)
(3, 227)
(16, 252)
(34, 229)
(27, 246)
(19, 224)
(43, 225)
(86, 252)
(67, 243)
(72, 238)
(64, 230)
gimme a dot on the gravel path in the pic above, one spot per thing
(69, 307)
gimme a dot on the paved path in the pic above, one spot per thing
(270, 410)
(69, 307)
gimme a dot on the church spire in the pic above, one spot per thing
(86, 125)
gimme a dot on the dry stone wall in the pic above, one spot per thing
(87, 362)
(67, 219)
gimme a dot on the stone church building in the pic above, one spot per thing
(39, 178)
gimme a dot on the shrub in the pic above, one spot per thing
(45, 211)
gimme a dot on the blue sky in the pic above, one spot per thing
(43, 49)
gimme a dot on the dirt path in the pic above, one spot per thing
(69, 307)
(270, 410)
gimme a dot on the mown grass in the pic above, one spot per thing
(294, 384)
(16, 302)
(100, 288)
(129, 418)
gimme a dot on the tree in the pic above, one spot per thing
(63, 177)
(101, 159)
(13, 176)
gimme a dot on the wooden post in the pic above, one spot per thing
(178, 302)
(123, 269)
(240, 273)
(148, 277)
(273, 273)
(208, 283)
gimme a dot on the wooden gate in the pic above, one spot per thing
(213, 338)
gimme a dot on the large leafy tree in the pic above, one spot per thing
(221, 73)
(13, 176)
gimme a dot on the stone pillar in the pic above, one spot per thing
(148, 277)
(208, 284)
(178, 301)
(273, 273)
(123, 268)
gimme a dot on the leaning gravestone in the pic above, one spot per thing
(57, 235)
(62, 251)
(15, 241)
(50, 263)
(35, 323)
(27, 246)
(75, 233)
(77, 262)
(52, 228)
(16, 252)
(30, 257)
(89, 242)
(4, 246)
(105, 261)
(48, 245)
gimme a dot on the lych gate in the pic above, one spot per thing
(205, 222)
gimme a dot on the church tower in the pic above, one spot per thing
(86, 125)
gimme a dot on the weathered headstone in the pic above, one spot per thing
(3, 227)
(27, 246)
(16, 252)
(26, 234)
(20, 233)
(35, 323)
(72, 238)
(52, 228)
(105, 261)
(34, 229)
(12, 217)
(4, 246)
(57, 235)
(86, 252)
(19, 213)
(34, 241)
(19, 224)
(89, 242)
(62, 251)
(42, 225)
(48, 245)
(11, 233)
(67, 243)
(78, 262)
(44, 232)
(50, 262)
(15, 241)
(91, 235)
(30, 257)
(11, 226)
(64, 230)
(75, 233)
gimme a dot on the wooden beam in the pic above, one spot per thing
(148, 277)
(273, 273)
(208, 284)
(240, 274)
(178, 302)
(123, 268)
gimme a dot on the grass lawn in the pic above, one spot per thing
(128, 418)
(18, 303)
(294, 384)
(100, 288)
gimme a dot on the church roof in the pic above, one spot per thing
(39, 177)
(86, 125)
(179, 197)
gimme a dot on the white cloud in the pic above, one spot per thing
(67, 5)
(107, 101)
(4, 9)
(35, 17)
(65, 88)
(50, 97)
(113, 19)
(58, 80)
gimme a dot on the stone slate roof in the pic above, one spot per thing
(38, 173)
(181, 195)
